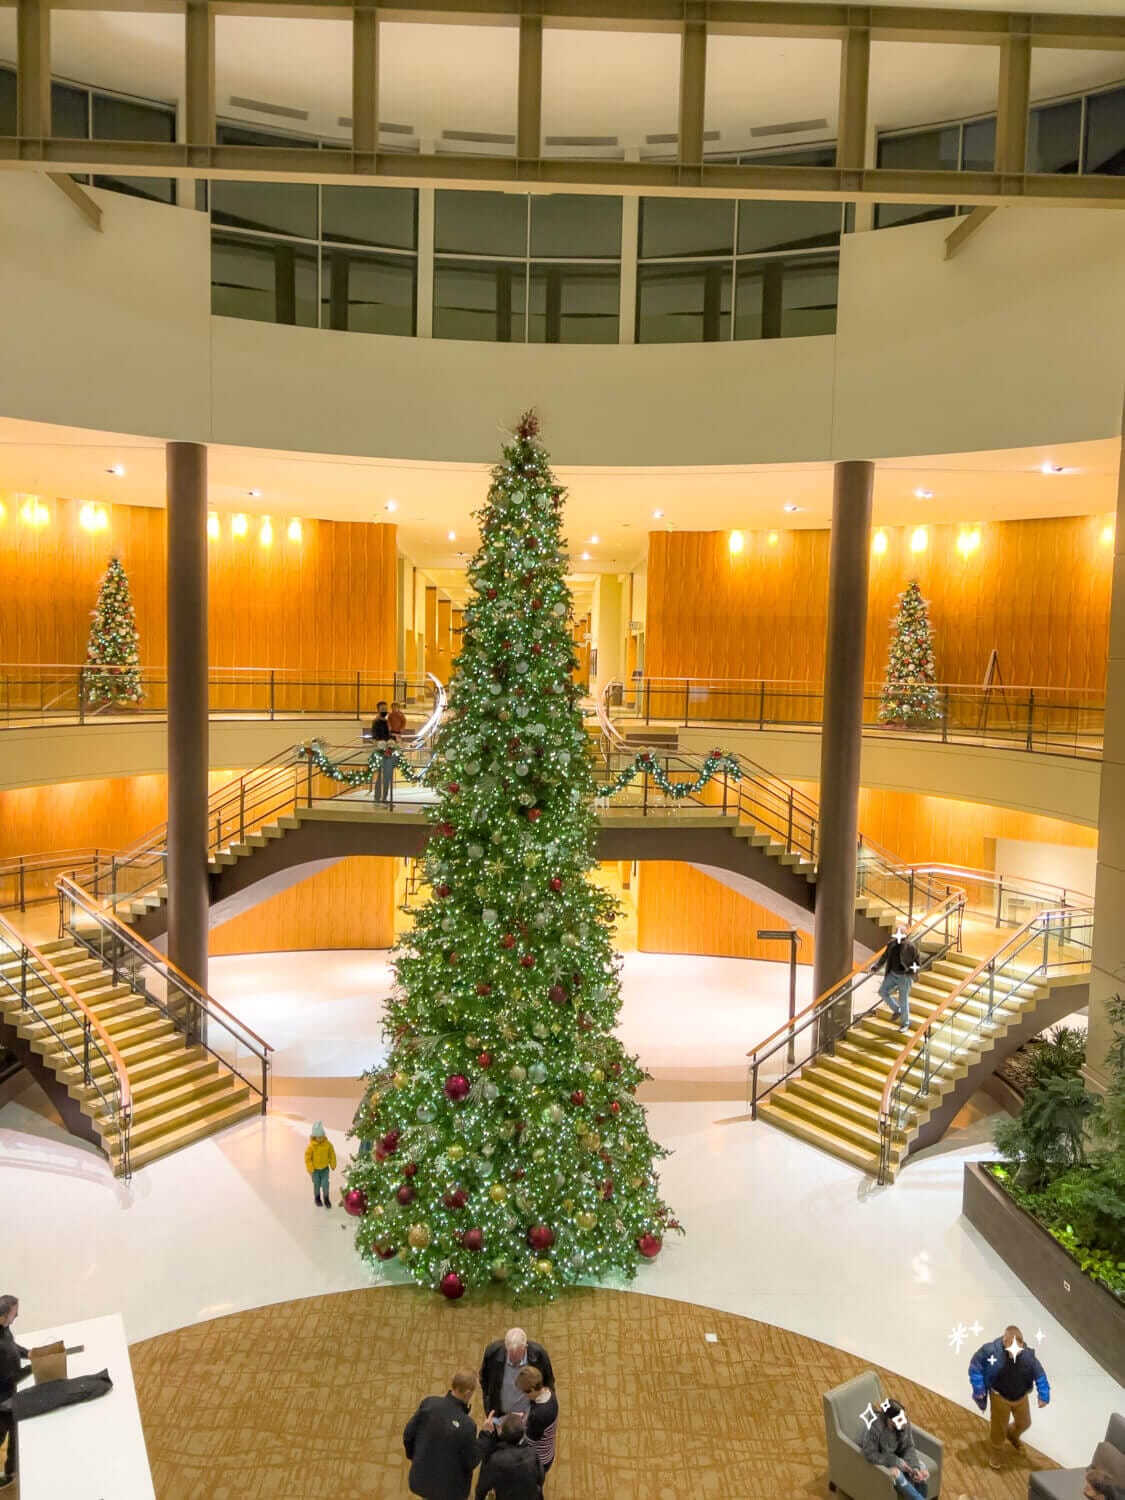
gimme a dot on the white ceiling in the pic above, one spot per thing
(617, 505)
(438, 77)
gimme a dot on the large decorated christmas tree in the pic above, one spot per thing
(112, 672)
(502, 1141)
(910, 694)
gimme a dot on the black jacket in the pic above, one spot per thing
(492, 1371)
(380, 729)
(12, 1367)
(898, 958)
(510, 1471)
(441, 1443)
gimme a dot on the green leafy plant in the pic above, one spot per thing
(1048, 1135)
(1058, 1054)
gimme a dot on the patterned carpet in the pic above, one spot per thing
(308, 1399)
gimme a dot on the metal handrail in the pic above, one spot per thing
(922, 1038)
(35, 964)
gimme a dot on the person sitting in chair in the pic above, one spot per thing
(889, 1444)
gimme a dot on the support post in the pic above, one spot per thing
(365, 81)
(855, 69)
(1012, 103)
(33, 69)
(842, 732)
(199, 80)
(693, 90)
(529, 103)
(187, 711)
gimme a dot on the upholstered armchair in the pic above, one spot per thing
(849, 1473)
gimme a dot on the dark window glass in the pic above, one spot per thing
(70, 118)
(849, 218)
(1052, 137)
(271, 281)
(686, 226)
(978, 145)
(481, 223)
(279, 207)
(577, 304)
(479, 299)
(1105, 133)
(922, 150)
(241, 135)
(586, 227)
(887, 215)
(764, 224)
(368, 293)
(132, 120)
(687, 304)
(802, 156)
(7, 101)
(371, 216)
(784, 298)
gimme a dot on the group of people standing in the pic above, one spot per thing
(515, 1446)
(386, 727)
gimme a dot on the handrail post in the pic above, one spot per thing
(925, 1062)
(644, 793)
(991, 988)
(789, 824)
(687, 701)
(999, 899)
(86, 1051)
(22, 886)
(309, 781)
(754, 1088)
(265, 1080)
(81, 695)
(945, 718)
(1030, 717)
(242, 809)
(725, 778)
(761, 703)
(648, 697)
(273, 696)
(910, 900)
(358, 714)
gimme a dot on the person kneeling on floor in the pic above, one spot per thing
(320, 1159)
(889, 1444)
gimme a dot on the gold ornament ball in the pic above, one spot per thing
(586, 1220)
(377, 1211)
(404, 1253)
(499, 1269)
(592, 1141)
(498, 1192)
(418, 1236)
(455, 1152)
(400, 1080)
(372, 1103)
(636, 1182)
(568, 1204)
(626, 1148)
(543, 1268)
(473, 1043)
(598, 1076)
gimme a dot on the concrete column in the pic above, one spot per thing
(842, 735)
(609, 626)
(1108, 976)
(187, 708)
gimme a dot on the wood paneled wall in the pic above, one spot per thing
(681, 910)
(324, 604)
(350, 905)
(1037, 590)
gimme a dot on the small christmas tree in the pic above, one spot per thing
(112, 673)
(910, 694)
(502, 1141)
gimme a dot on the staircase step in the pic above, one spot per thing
(192, 1066)
(178, 1091)
(862, 1136)
(805, 1130)
(817, 1092)
(189, 1133)
(850, 1082)
(187, 1111)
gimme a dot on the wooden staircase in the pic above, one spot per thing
(181, 1094)
(834, 1101)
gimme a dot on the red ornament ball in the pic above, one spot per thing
(456, 1087)
(389, 1142)
(454, 957)
(456, 1199)
(405, 1194)
(443, 890)
(509, 940)
(534, 814)
(484, 1059)
(454, 787)
(531, 542)
(410, 1169)
(540, 1237)
(537, 603)
(491, 593)
(380, 1152)
(473, 1239)
(578, 1098)
(452, 1286)
(484, 989)
(384, 1251)
(615, 1108)
(649, 1245)
(615, 1069)
(448, 830)
(556, 883)
(528, 960)
(355, 1202)
(557, 994)
(536, 649)
(607, 1188)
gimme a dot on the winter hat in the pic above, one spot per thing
(318, 1128)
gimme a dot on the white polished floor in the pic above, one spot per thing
(776, 1230)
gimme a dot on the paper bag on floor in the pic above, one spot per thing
(49, 1362)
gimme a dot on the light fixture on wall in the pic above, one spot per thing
(295, 534)
(265, 532)
(968, 540)
(212, 526)
(3, 512)
(391, 505)
(920, 539)
(117, 470)
(879, 543)
(1109, 531)
(239, 525)
(772, 539)
(33, 512)
(93, 517)
(736, 542)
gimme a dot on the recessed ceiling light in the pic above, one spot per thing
(658, 515)
(117, 469)
(451, 537)
(254, 494)
(391, 505)
(1049, 468)
(790, 508)
(585, 557)
(594, 540)
(921, 494)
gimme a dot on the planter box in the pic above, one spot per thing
(1087, 1311)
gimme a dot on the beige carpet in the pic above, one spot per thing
(308, 1399)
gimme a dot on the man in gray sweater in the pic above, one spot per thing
(889, 1444)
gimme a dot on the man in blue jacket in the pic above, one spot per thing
(1002, 1375)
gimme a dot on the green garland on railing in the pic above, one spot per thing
(646, 764)
(363, 773)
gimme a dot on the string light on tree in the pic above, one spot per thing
(525, 1155)
(112, 671)
(910, 694)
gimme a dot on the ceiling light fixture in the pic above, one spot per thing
(451, 536)
(239, 525)
(658, 515)
(920, 539)
(879, 543)
(254, 494)
(1049, 468)
(265, 534)
(294, 533)
(921, 494)
(391, 505)
(118, 470)
(594, 540)
(791, 507)
(736, 542)
(585, 557)
(213, 527)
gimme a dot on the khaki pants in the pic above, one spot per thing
(1006, 1417)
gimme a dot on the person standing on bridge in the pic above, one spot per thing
(900, 961)
(384, 753)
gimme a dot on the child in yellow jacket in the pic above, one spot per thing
(320, 1159)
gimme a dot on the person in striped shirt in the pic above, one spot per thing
(542, 1414)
